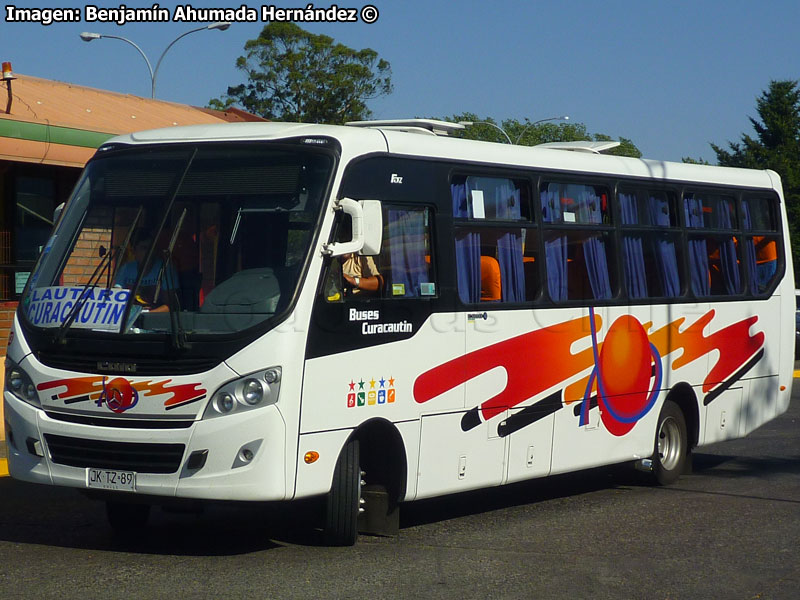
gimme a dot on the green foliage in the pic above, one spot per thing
(531, 133)
(294, 75)
(776, 146)
(694, 161)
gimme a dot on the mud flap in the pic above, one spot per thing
(380, 516)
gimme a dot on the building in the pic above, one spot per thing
(48, 130)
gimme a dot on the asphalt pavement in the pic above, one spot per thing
(731, 529)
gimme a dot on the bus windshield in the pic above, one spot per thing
(203, 239)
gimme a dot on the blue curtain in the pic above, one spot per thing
(555, 248)
(750, 251)
(468, 250)
(666, 256)
(633, 254)
(698, 252)
(407, 250)
(509, 245)
(727, 251)
(594, 250)
(588, 207)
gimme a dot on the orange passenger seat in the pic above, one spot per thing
(491, 289)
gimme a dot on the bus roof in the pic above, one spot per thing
(361, 140)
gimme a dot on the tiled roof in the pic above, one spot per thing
(56, 103)
(60, 123)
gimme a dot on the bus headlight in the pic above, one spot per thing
(252, 391)
(224, 403)
(20, 384)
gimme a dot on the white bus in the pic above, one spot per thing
(378, 314)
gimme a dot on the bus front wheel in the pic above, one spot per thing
(671, 445)
(343, 501)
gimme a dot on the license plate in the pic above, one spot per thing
(106, 479)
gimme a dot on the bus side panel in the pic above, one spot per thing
(723, 417)
(345, 389)
(611, 408)
(451, 460)
(739, 390)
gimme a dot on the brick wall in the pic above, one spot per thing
(82, 263)
(7, 310)
(86, 254)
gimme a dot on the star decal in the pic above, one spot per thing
(382, 382)
(361, 384)
(391, 381)
(352, 385)
(371, 383)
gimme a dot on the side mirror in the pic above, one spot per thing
(372, 227)
(367, 220)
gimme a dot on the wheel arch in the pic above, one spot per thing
(684, 396)
(383, 455)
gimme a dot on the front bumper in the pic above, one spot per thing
(222, 476)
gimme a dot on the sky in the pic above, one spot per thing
(672, 76)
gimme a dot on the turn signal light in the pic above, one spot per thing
(311, 457)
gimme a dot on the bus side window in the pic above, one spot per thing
(761, 246)
(334, 288)
(351, 276)
(405, 262)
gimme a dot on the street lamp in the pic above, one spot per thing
(529, 125)
(87, 36)
(500, 129)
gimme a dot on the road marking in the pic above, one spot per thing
(3, 467)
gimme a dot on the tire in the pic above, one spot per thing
(671, 449)
(127, 519)
(341, 510)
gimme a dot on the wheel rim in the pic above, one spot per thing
(669, 444)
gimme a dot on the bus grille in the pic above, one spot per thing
(146, 365)
(142, 458)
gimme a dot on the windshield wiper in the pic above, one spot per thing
(73, 312)
(148, 256)
(107, 259)
(121, 250)
(178, 335)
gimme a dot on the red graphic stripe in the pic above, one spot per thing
(533, 362)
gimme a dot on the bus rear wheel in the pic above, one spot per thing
(343, 501)
(671, 445)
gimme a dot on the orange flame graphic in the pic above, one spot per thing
(734, 343)
(78, 389)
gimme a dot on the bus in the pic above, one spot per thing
(374, 314)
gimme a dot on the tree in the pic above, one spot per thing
(776, 146)
(530, 133)
(688, 160)
(295, 75)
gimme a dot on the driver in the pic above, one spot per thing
(126, 276)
